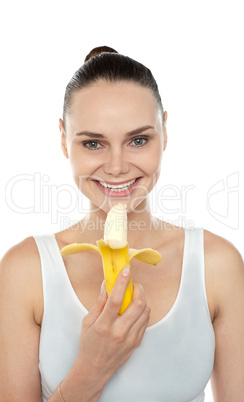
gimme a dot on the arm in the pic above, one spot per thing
(227, 379)
(107, 340)
(19, 331)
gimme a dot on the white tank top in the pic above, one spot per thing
(175, 359)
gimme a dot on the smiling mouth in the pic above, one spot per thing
(118, 188)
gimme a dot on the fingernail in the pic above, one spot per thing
(126, 271)
(103, 287)
(142, 288)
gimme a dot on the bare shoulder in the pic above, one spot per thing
(222, 254)
(22, 258)
(20, 272)
(224, 269)
(21, 309)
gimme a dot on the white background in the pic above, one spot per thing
(195, 51)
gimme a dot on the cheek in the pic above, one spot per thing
(81, 163)
(153, 161)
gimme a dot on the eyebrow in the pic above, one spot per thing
(129, 134)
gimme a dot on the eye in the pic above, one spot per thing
(92, 145)
(140, 141)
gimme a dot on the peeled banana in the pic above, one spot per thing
(115, 251)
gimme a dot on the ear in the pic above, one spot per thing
(63, 139)
(165, 130)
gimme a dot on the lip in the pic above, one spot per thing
(116, 194)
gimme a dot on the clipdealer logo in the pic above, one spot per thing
(223, 201)
(33, 193)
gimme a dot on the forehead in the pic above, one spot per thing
(106, 103)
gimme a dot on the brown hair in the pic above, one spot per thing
(107, 64)
(98, 50)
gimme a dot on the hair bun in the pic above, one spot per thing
(98, 50)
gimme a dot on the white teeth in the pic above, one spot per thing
(119, 187)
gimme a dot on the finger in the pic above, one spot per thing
(116, 296)
(141, 324)
(97, 309)
(140, 327)
(136, 322)
(135, 309)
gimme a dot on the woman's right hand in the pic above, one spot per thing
(107, 340)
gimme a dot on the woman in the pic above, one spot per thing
(61, 336)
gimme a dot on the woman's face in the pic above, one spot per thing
(114, 140)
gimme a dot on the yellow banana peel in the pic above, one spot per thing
(115, 251)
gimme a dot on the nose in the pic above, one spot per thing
(116, 163)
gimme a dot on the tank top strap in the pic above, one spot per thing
(49, 253)
(193, 271)
(54, 276)
(57, 287)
